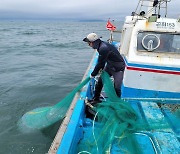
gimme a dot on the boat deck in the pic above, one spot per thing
(160, 140)
(165, 139)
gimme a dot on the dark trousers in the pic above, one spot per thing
(118, 77)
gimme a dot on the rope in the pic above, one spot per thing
(94, 134)
(84, 152)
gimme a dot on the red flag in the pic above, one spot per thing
(110, 26)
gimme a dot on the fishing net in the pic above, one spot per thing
(45, 116)
(115, 125)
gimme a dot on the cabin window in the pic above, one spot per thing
(158, 42)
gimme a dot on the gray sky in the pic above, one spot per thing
(73, 9)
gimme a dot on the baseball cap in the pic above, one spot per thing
(91, 37)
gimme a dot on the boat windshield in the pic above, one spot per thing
(158, 42)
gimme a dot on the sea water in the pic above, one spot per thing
(40, 62)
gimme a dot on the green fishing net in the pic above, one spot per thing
(45, 116)
(115, 125)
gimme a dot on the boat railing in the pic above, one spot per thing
(63, 128)
(153, 7)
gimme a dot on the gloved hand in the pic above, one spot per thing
(91, 76)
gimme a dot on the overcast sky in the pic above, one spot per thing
(73, 9)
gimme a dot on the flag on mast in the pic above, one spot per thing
(110, 26)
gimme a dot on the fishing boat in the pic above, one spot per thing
(150, 46)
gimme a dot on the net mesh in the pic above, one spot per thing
(115, 125)
(45, 116)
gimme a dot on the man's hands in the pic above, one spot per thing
(91, 76)
(99, 73)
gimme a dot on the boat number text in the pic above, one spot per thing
(166, 25)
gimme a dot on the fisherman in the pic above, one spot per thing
(109, 60)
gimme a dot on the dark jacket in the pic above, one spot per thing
(109, 55)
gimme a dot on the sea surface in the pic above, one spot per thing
(40, 63)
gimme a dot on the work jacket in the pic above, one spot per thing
(109, 56)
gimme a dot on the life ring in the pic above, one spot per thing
(150, 42)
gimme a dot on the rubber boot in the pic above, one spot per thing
(97, 93)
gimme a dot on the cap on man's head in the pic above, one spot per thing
(91, 37)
